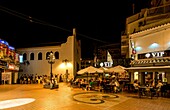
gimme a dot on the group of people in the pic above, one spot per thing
(101, 83)
(156, 87)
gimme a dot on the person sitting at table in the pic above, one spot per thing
(117, 86)
(83, 83)
(90, 85)
(102, 84)
(158, 87)
(136, 85)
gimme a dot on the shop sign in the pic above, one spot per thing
(5, 76)
(106, 64)
(154, 54)
(115, 62)
(11, 67)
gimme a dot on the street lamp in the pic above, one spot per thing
(66, 66)
(51, 61)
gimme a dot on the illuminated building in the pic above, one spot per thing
(35, 59)
(9, 63)
(146, 42)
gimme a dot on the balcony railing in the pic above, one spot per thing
(164, 9)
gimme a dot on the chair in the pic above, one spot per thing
(163, 91)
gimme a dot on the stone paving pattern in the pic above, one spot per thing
(68, 98)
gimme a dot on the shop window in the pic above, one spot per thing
(24, 56)
(40, 56)
(32, 56)
(56, 55)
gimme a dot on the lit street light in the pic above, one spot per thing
(51, 61)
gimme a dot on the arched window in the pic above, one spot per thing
(47, 55)
(40, 56)
(32, 56)
(56, 55)
(24, 56)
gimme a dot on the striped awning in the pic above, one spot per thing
(151, 62)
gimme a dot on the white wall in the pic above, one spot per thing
(42, 67)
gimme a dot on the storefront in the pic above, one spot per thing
(9, 63)
(3, 66)
(143, 74)
(10, 74)
(150, 54)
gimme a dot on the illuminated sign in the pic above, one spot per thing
(106, 64)
(154, 54)
(11, 67)
(4, 42)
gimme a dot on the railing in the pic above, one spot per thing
(158, 10)
(164, 9)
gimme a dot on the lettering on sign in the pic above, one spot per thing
(106, 64)
(154, 54)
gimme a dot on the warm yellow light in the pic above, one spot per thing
(69, 65)
(64, 65)
(15, 102)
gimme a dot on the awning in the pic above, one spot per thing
(151, 62)
(150, 67)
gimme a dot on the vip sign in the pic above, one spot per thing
(154, 54)
(106, 64)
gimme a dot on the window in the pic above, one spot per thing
(32, 56)
(47, 55)
(24, 56)
(56, 55)
(40, 56)
(21, 59)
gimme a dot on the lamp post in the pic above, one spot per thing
(66, 66)
(51, 61)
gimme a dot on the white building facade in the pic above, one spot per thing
(36, 59)
(146, 42)
(152, 54)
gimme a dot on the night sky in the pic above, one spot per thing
(28, 22)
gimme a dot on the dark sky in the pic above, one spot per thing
(98, 23)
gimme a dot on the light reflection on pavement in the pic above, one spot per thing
(15, 102)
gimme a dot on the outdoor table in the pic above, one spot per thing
(83, 86)
(145, 91)
(111, 87)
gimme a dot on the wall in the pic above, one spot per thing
(42, 67)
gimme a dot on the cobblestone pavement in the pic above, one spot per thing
(67, 98)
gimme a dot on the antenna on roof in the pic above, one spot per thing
(133, 8)
(74, 32)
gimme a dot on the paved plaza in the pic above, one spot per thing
(35, 97)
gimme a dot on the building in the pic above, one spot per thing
(146, 42)
(110, 56)
(86, 63)
(66, 60)
(147, 18)
(9, 63)
(105, 54)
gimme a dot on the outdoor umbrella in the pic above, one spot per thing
(90, 69)
(104, 70)
(116, 69)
